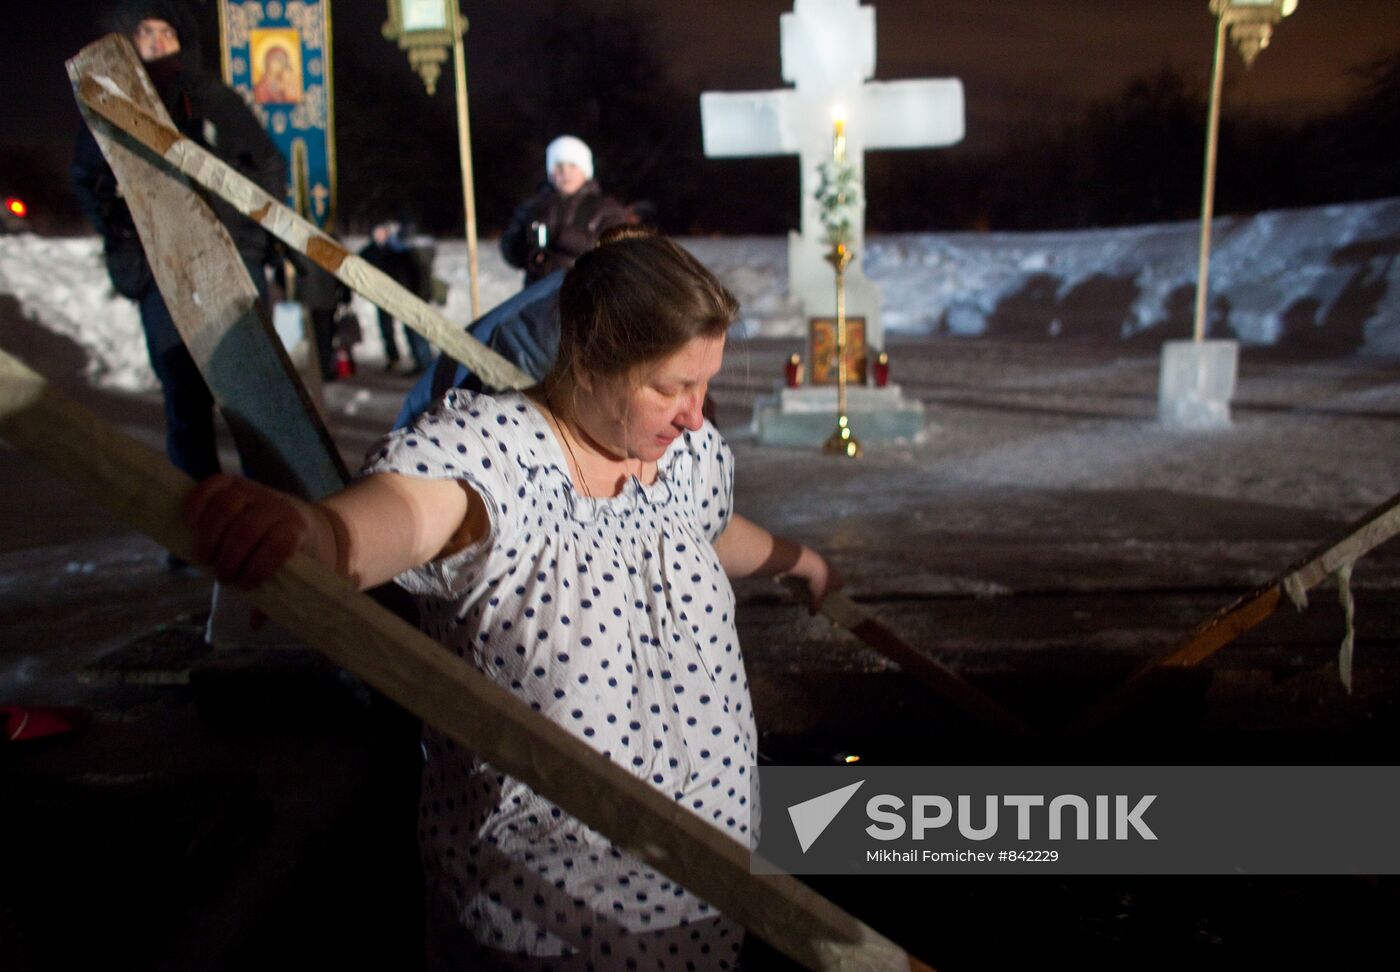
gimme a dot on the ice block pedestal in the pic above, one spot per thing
(806, 416)
(1197, 383)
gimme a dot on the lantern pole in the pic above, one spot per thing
(1251, 24)
(464, 147)
(1208, 191)
(426, 29)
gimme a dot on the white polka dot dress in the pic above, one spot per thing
(614, 619)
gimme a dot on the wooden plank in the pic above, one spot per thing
(407, 666)
(1220, 629)
(938, 678)
(211, 298)
(115, 99)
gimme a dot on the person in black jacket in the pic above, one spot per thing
(564, 218)
(167, 40)
(322, 295)
(388, 252)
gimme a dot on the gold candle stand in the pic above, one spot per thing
(842, 442)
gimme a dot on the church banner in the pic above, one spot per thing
(277, 55)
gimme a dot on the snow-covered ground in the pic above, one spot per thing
(1326, 277)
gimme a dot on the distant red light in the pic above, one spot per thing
(16, 206)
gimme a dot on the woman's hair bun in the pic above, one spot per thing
(626, 231)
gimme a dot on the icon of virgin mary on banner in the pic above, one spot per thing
(277, 54)
(276, 64)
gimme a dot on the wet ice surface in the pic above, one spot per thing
(1044, 474)
(1049, 525)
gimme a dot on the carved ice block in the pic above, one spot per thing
(1197, 383)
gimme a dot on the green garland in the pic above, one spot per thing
(838, 196)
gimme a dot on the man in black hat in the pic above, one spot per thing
(215, 116)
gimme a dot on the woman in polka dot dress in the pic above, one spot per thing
(574, 542)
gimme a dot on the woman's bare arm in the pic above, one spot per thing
(370, 532)
(746, 549)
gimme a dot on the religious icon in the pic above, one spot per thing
(275, 56)
(823, 331)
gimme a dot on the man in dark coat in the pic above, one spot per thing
(213, 115)
(564, 219)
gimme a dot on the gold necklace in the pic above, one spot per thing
(582, 479)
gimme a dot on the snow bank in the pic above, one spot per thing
(1325, 279)
(62, 285)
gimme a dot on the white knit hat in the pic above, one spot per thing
(566, 148)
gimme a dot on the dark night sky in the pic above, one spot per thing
(1021, 61)
(1018, 58)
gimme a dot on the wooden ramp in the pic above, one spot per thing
(1233, 620)
(119, 104)
(211, 298)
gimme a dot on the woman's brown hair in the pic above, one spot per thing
(634, 298)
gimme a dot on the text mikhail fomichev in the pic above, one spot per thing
(893, 856)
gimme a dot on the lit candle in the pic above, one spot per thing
(838, 141)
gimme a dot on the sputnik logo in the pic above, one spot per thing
(811, 817)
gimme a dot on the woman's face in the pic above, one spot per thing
(641, 414)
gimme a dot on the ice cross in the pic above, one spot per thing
(828, 52)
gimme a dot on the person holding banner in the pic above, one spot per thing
(575, 542)
(167, 41)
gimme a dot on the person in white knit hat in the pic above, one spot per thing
(565, 217)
